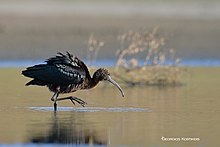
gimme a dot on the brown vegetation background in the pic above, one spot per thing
(32, 29)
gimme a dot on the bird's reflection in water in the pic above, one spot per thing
(66, 131)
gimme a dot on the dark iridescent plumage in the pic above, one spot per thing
(65, 74)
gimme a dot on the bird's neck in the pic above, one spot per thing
(93, 82)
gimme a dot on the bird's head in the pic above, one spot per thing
(103, 75)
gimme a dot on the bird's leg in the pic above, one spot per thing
(72, 98)
(52, 99)
(56, 94)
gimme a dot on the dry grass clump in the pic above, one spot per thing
(93, 47)
(142, 59)
(152, 76)
(157, 65)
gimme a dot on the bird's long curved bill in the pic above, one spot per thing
(116, 84)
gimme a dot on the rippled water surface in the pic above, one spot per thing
(147, 116)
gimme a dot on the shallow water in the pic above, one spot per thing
(147, 116)
(111, 63)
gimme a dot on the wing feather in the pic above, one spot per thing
(60, 70)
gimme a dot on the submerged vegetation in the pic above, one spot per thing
(142, 59)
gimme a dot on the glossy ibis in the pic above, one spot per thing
(65, 73)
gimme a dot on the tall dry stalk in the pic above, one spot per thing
(93, 48)
(151, 44)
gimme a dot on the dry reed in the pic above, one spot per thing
(93, 47)
(159, 66)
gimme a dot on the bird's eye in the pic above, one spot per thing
(97, 74)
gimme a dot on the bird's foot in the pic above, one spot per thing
(79, 101)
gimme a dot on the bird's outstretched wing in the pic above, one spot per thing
(60, 70)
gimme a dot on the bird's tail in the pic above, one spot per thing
(35, 72)
(36, 82)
